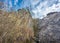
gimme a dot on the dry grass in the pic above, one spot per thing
(35, 26)
(16, 27)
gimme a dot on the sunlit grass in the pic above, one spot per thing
(16, 27)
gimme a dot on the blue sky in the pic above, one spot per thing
(39, 8)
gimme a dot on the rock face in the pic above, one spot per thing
(49, 28)
(16, 27)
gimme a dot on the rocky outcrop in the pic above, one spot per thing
(16, 27)
(49, 28)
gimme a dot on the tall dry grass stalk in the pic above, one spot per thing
(16, 27)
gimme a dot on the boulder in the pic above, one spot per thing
(49, 28)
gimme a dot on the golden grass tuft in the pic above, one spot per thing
(16, 27)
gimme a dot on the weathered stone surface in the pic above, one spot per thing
(49, 28)
(16, 27)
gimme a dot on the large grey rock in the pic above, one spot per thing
(49, 28)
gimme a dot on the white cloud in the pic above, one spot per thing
(59, 0)
(40, 13)
(15, 2)
(34, 2)
(42, 8)
(10, 3)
